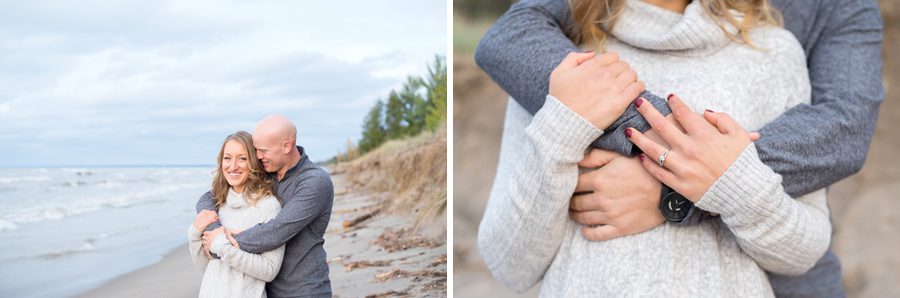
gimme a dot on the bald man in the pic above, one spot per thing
(307, 193)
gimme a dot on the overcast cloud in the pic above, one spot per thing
(163, 82)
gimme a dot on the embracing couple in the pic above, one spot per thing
(605, 189)
(259, 232)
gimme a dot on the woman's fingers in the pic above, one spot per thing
(667, 130)
(633, 90)
(754, 136)
(574, 59)
(607, 58)
(690, 121)
(662, 174)
(723, 122)
(651, 149)
(597, 158)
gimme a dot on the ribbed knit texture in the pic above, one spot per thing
(237, 273)
(526, 237)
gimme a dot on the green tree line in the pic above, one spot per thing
(420, 104)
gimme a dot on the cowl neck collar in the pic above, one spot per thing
(650, 27)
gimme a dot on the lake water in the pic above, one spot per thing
(66, 230)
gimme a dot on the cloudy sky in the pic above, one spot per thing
(163, 82)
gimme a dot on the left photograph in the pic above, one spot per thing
(228, 149)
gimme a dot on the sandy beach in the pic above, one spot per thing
(379, 256)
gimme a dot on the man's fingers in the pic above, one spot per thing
(597, 158)
(583, 202)
(600, 233)
(589, 218)
(585, 183)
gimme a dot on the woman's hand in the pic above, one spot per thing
(230, 234)
(697, 158)
(205, 218)
(596, 88)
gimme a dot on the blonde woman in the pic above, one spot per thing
(244, 195)
(724, 56)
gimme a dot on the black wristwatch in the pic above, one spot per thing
(674, 207)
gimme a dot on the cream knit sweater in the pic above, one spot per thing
(237, 273)
(526, 237)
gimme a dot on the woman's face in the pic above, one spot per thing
(235, 164)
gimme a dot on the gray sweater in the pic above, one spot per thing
(810, 145)
(525, 235)
(308, 195)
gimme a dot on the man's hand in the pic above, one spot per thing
(622, 197)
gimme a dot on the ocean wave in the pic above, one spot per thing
(74, 183)
(85, 246)
(8, 180)
(7, 225)
(76, 206)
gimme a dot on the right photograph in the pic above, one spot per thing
(610, 148)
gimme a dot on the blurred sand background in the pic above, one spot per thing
(864, 206)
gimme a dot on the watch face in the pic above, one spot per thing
(675, 207)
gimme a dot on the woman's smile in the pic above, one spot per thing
(236, 165)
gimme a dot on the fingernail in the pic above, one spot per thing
(670, 96)
(641, 156)
(638, 102)
(711, 111)
(628, 133)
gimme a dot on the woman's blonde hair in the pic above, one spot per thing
(259, 184)
(590, 15)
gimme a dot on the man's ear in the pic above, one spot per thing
(286, 147)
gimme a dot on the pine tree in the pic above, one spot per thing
(436, 86)
(414, 105)
(393, 117)
(373, 129)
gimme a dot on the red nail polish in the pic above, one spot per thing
(670, 96)
(638, 102)
(628, 133)
(711, 111)
(641, 156)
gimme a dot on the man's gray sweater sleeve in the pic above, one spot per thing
(307, 202)
(811, 146)
(521, 49)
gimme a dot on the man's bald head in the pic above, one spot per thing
(278, 128)
(275, 138)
